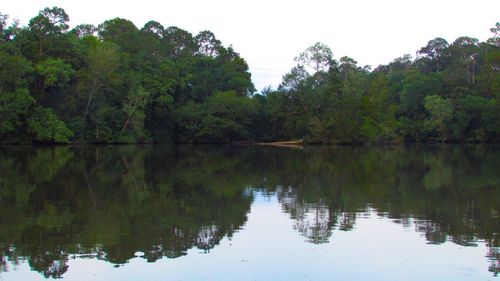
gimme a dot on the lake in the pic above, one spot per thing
(419, 212)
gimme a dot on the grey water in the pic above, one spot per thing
(419, 212)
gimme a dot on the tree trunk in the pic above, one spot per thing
(126, 124)
(97, 130)
(95, 88)
(40, 49)
(129, 117)
(473, 73)
(87, 108)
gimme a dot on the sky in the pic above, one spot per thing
(268, 34)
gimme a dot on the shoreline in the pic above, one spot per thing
(291, 143)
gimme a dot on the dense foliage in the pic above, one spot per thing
(450, 92)
(116, 83)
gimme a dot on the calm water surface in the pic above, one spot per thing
(250, 213)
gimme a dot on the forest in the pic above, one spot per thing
(116, 83)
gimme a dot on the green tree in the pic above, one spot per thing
(464, 52)
(208, 45)
(179, 43)
(84, 30)
(435, 51)
(55, 72)
(15, 71)
(134, 108)
(46, 127)
(224, 117)
(102, 63)
(15, 109)
(319, 57)
(122, 33)
(491, 119)
(47, 28)
(441, 112)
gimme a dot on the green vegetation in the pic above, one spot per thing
(449, 93)
(116, 83)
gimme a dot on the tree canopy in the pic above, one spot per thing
(117, 83)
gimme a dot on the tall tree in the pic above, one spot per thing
(435, 51)
(47, 27)
(318, 57)
(102, 63)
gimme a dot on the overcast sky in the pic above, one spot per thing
(270, 33)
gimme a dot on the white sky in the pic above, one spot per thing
(270, 33)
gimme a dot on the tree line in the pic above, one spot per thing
(448, 93)
(116, 83)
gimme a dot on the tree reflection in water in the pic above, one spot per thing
(109, 202)
(312, 220)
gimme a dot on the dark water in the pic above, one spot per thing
(250, 213)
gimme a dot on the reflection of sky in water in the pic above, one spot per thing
(268, 248)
